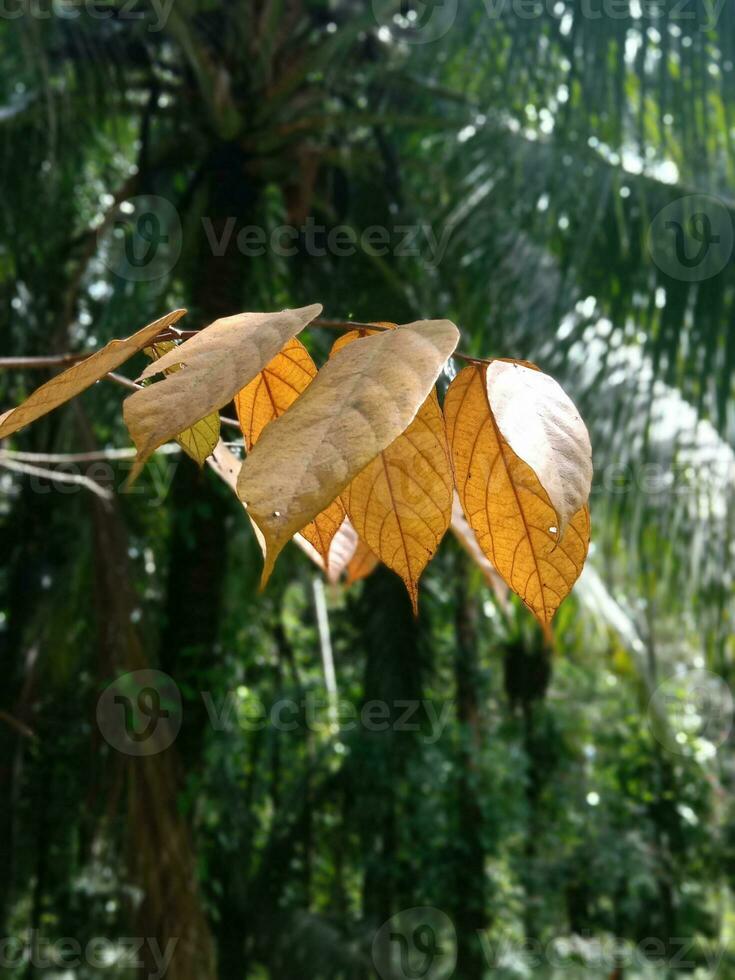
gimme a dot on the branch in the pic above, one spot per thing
(77, 478)
(18, 725)
(88, 457)
(172, 333)
(33, 363)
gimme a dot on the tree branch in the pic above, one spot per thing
(78, 478)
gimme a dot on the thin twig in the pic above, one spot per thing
(32, 363)
(90, 457)
(173, 333)
(120, 379)
(18, 725)
(57, 476)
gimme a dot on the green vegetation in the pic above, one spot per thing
(556, 180)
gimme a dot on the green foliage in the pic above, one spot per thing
(545, 809)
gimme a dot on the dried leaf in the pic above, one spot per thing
(199, 440)
(217, 362)
(468, 539)
(362, 564)
(361, 400)
(83, 375)
(505, 504)
(541, 425)
(343, 547)
(275, 388)
(227, 467)
(265, 399)
(401, 503)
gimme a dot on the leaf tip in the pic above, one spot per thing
(136, 470)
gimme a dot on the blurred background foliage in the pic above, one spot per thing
(517, 162)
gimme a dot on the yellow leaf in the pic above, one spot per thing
(468, 539)
(361, 400)
(321, 531)
(82, 375)
(505, 504)
(401, 503)
(363, 562)
(277, 387)
(199, 440)
(266, 398)
(542, 426)
(217, 362)
(341, 550)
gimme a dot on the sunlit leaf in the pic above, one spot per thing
(266, 398)
(83, 375)
(199, 440)
(468, 539)
(363, 399)
(505, 504)
(362, 563)
(217, 362)
(401, 503)
(542, 426)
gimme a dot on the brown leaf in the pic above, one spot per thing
(401, 503)
(217, 363)
(83, 375)
(541, 425)
(341, 550)
(361, 400)
(468, 539)
(199, 440)
(264, 400)
(362, 564)
(505, 504)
